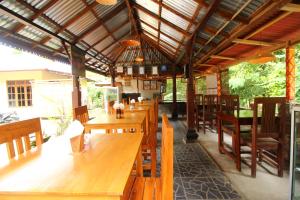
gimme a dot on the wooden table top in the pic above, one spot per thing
(102, 169)
(138, 108)
(129, 118)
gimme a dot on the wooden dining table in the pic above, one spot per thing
(136, 120)
(142, 109)
(51, 172)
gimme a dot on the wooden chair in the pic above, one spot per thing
(210, 108)
(229, 124)
(19, 132)
(198, 109)
(268, 130)
(150, 142)
(158, 188)
(81, 114)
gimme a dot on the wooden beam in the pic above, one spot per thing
(262, 14)
(158, 48)
(131, 17)
(165, 6)
(253, 42)
(107, 17)
(222, 57)
(206, 65)
(108, 34)
(36, 15)
(226, 24)
(159, 22)
(168, 36)
(146, 11)
(161, 41)
(291, 7)
(29, 22)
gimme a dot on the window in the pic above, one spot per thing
(180, 90)
(19, 93)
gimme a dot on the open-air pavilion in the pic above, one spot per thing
(146, 42)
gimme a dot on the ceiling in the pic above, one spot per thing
(221, 32)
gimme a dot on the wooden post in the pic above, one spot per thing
(190, 103)
(174, 103)
(76, 93)
(290, 73)
(219, 83)
(113, 79)
(78, 70)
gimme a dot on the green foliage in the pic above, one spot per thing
(95, 96)
(252, 80)
(180, 90)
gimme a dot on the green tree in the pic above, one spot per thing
(269, 79)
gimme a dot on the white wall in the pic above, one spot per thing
(134, 89)
(211, 84)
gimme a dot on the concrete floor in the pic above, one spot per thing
(264, 187)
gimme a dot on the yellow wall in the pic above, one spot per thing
(31, 75)
(34, 75)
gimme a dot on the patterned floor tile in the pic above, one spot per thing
(178, 190)
(196, 175)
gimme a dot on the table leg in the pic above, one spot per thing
(139, 163)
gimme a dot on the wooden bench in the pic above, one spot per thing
(19, 132)
(158, 188)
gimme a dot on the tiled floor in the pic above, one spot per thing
(196, 176)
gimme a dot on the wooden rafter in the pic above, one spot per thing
(29, 22)
(291, 7)
(91, 9)
(162, 33)
(153, 44)
(222, 57)
(180, 30)
(100, 23)
(172, 47)
(108, 34)
(189, 26)
(266, 11)
(253, 42)
(20, 26)
(226, 24)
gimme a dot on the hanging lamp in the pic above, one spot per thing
(107, 2)
(131, 40)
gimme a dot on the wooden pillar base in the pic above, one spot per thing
(191, 135)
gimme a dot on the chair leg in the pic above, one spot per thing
(253, 161)
(237, 152)
(280, 160)
(153, 162)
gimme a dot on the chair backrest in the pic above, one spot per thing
(81, 114)
(19, 132)
(271, 113)
(210, 103)
(167, 159)
(229, 104)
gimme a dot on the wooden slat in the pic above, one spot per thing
(10, 150)
(17, 130)
(27, 142)
(19, 144)
(138, 189)
(149, 190)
